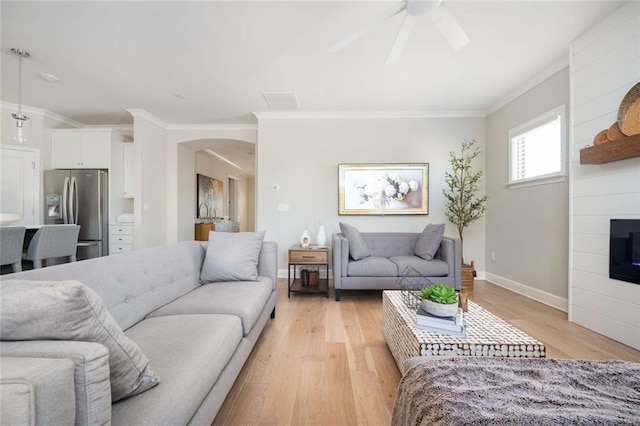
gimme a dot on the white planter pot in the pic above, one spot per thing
(438, 309)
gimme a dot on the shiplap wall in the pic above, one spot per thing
(605, 64)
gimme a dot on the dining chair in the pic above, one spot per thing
(11, 242)
(53, 241)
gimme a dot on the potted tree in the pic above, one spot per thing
(464, 205)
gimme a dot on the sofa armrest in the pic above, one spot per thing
(36, 391)
(450, 252)
(268, 262)
(340, 248)
(90, 373)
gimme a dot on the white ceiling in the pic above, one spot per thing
(221, 55)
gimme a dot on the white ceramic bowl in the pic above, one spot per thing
(439, 309)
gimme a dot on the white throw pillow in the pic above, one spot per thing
(232, 256)
(69, 310)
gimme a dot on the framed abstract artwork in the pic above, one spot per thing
(383, 189)
(210, 197)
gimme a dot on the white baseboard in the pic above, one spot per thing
(530, 292)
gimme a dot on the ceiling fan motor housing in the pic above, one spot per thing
(422, 7)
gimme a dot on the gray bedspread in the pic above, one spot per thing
(502, 391)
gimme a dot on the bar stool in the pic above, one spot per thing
(11, 241)
(53, 241)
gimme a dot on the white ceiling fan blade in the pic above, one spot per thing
(401, 39)
(365, 29)
(449, 27)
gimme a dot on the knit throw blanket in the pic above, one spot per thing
(502, 391)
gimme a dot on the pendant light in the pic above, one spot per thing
(21, 126)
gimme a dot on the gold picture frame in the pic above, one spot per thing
(383, 189)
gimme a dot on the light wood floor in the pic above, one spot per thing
(324, 362)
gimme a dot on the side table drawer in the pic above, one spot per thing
(308, 256)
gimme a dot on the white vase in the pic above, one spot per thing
(321, 239)
(439, 309)
(305, 240)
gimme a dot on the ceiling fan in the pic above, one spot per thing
(412, 10)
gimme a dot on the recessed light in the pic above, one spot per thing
(49, 77)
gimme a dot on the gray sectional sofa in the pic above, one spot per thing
(389, 253)
(194, 337)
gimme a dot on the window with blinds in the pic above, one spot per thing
(537, 149)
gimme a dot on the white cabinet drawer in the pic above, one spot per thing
(121, 239)
(120, 230)
(120, 248)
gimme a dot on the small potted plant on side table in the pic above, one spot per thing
(440, 300)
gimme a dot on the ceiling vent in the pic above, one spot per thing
(280, 101)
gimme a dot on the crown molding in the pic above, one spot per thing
(324, 115)
(43, 113)
(214, 127)
(557, 66)
(191, 127)
(148, 116)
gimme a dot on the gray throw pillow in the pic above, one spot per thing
(358, 248)
(69, 310)
(232, 256)
(429, 241)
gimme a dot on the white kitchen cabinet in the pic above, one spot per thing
(120, 238)
(127, 157)
(81, 149)
(95, 148)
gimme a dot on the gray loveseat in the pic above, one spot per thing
(391, 253)
(196, 338)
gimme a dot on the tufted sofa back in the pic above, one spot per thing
(133, 284)
(386, 244)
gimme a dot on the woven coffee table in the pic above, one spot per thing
(487, 335)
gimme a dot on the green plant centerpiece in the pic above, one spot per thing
(440, 300)
(464, 204)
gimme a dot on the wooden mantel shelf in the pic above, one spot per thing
(607, 152)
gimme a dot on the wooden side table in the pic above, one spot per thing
(202, 231)
(312, 256)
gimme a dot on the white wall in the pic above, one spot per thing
(187, 194)
(605, 64)
(302, 157)
(527, 227)
(150, 176)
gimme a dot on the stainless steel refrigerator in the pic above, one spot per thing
(80, 197)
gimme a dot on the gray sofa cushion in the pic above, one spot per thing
(68, 310)
(232, 256)
(429, 241)
(37, 391)
(189, 352)
(372, 267)
(426, 268)
(90, 373)
(358, 248)
(245, 300)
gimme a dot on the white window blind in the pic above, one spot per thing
(537, 148)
